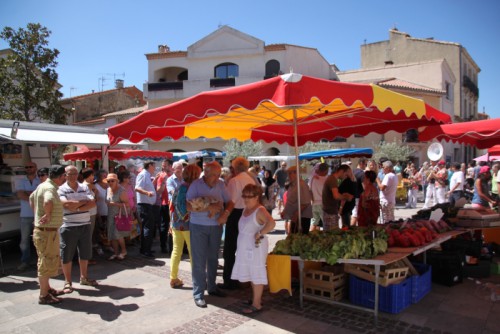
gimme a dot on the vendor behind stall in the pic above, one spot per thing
(482, 198)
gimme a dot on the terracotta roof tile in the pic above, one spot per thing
(398, 83)
(130, 111)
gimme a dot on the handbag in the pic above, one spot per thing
(123, 222)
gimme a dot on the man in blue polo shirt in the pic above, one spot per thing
(206, 231)
(24, 188)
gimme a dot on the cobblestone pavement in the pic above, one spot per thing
(229, 317)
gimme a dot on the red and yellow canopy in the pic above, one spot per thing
(117, 155)
(287, 109)
(481, 134)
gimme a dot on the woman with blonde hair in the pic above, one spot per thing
(117, 200)
(180, 223)
(372, 165)
(251, 253)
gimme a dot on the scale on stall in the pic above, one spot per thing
(478, 218)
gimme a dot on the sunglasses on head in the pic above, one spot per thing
(41, 174)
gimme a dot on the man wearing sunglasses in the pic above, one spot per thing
(24, 188)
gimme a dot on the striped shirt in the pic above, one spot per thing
(44, 193)
(66, 193)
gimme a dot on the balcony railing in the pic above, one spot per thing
(470, 85)
(159, 86)
(222, 82)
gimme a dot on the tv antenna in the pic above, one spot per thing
(107, 76)
(71, 89)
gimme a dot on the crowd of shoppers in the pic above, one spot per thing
(194, 206)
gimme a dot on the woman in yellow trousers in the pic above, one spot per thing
(180, 223)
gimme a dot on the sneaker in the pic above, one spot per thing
(23, 266)
(99, 251)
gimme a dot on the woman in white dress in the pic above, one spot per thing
(251, 254)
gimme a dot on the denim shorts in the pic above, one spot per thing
(76, 237)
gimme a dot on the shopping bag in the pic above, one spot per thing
(123, 221)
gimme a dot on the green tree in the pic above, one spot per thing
(394, 151)
(28, 81)
(314, 147)
(234, 148)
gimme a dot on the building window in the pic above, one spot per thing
(448, 90)
(272, 68)
(182, 76)
(226, 70)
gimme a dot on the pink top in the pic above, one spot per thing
(131, 197)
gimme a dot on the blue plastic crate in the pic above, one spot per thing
(392, 299)
(421, 284)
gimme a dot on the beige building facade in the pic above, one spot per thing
(402, 49)
(424, 80)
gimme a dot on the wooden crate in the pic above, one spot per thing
(391, 274)
(329, 278)
(328, 294)
(328, 283)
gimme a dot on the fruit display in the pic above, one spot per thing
(414, 233)
(354, 243)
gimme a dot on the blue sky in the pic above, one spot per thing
(108, 38)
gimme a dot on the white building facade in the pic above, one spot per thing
(224, 58)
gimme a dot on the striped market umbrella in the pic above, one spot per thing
(481, 134)
(291, 108)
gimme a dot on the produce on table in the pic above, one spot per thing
(414, 233)
(355, 243)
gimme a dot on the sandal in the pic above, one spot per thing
(176, 283)
(48, 300)
(251, 310)
(55, 292)
(249, 302)
(112, 257)
(121, 256)
(89, 282)
(68, 287)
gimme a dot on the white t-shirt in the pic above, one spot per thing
(389, 193)
(316, 184)
(235, 187)
(457, 177)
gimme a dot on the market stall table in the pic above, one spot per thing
(393, 255)
(377, 262)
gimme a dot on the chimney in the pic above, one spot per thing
(163, 48)
(118, 83)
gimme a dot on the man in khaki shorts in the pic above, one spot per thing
(48, 211)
